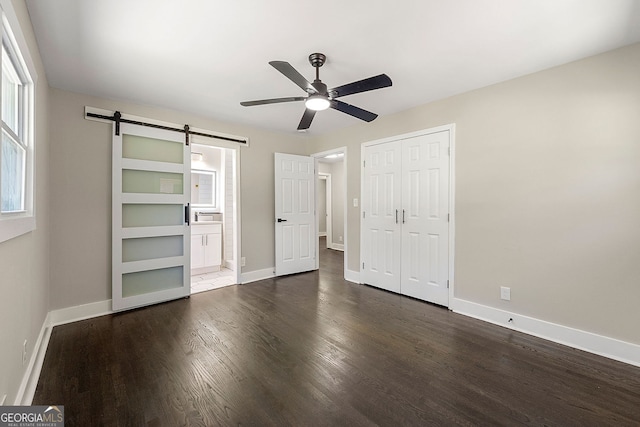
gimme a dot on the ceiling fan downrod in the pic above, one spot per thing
(317, 60)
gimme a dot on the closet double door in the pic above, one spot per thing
(405, 216)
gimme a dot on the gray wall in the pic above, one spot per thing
(24, 260)
(547, 191)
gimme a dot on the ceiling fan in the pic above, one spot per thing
(318, 96)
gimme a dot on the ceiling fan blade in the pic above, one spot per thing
(307, 117)
(293, 75)
(272, 101)
(365, 85)
(352, 110)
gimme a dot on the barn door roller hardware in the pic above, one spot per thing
(117, 118)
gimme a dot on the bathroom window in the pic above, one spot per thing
(16, 140)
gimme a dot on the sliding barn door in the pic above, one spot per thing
(150, 235)
(295, 202)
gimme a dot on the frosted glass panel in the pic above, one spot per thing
(13, 175)
(152, 248)
(159, 150)
(136, 215)
(144, 282)
(137, 181)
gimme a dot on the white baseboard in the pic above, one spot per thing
(254, 276)
(79, 312)
(337, 247)
(593, 343)
(29, 382)
(322, 234)
(352, 276)
(230, 264)
(54, 318)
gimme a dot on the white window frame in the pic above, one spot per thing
(14, 224)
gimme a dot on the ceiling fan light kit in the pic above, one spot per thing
(317, 102)
(319, 97)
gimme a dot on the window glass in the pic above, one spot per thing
(14, 152)
(13, 175)
(17, 144)
(11, 90)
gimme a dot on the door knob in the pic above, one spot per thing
(282, 220)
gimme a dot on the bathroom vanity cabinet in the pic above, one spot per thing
(206, 246)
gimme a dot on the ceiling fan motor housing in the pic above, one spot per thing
(320, 87)
(317, 59)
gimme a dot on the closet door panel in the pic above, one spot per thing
(381, 209)
(425, 178)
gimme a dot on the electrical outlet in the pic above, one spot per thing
(355, 203)
(24, 352)
(340, 238)
(243, 261)
(505, 293)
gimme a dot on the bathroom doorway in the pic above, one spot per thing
(214, 216)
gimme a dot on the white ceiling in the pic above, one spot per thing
(204, 57)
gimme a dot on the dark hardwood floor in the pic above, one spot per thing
(311, 349)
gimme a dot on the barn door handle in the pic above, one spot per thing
(396, 216)
(403, 216)
(282, 220)
(187, 214)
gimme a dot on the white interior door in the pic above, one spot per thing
(425, 208)
(150, 234)
(381, 206)
(295, 225)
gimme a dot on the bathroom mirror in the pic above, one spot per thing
(203, 188)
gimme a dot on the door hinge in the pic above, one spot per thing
(363, 265)
(447, 284)
(448, 217)
(364, 163)
(363, 214)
